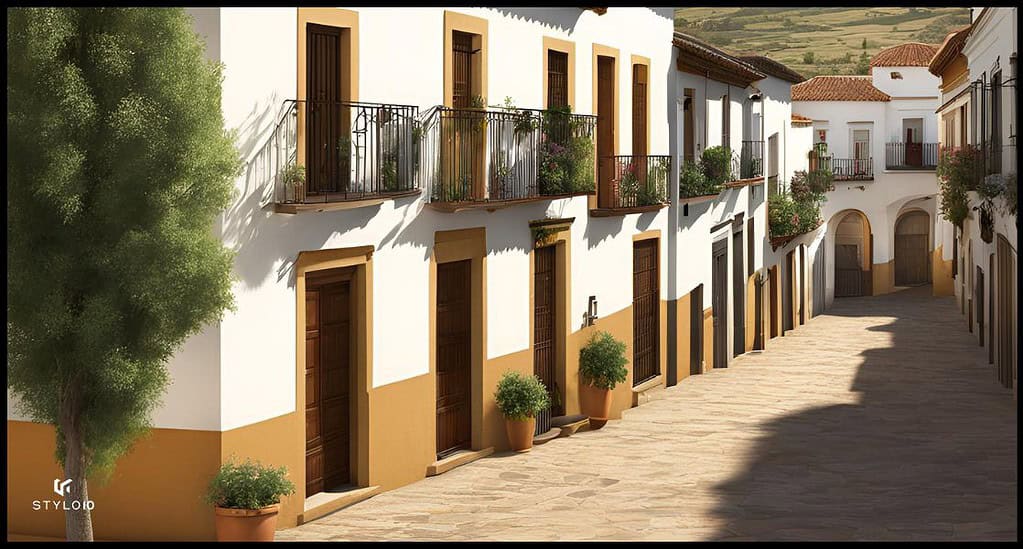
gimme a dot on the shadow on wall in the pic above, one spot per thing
(564, 19)
(902, 463)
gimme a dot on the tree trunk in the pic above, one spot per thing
(77, 515)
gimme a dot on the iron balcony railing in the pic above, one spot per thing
(750, 160)
(322, 152)
(844, 169)
(638, 181)
(911, 156)
(485, 155)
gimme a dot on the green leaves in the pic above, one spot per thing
(519, 396)
(118, 164)
(602, 361)
(957, 173)
(248, 485)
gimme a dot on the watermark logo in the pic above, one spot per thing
(60, 488)
(63, 489)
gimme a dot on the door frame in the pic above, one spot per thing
(560, 238)
(645, 239)
(359, 258)
(720, 359)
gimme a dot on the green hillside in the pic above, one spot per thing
(816, 41)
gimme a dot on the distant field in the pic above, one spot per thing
(833, 36)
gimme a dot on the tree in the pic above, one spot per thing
(864, 44)
(863, 65)
(808, 58)
(118, 165)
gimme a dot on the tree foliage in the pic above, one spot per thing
(957, 175)
(118, 166)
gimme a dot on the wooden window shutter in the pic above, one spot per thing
(639, 110)
(557, 79)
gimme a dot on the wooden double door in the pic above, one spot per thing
(454, 357)
(912, 260)
(646, 304)
(329, 378)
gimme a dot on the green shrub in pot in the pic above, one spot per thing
(520, 396)
(602, 361)
(248, 485)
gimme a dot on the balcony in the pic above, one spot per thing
(749, 163)
(636, 184)
(480, 158)
(844, 169)
(338, 155)
(911, 156)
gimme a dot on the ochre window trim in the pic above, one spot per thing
(568, 48)
(454, 21)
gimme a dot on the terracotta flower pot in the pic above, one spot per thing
(596, 403)
(247, 524)
(520, 433)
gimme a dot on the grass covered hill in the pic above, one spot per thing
(816, 41)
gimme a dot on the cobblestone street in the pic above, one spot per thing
(878, 420)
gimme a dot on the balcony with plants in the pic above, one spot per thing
(707, 176)
(635, 184)
(492, 157)
(841, 169)
(338, 155)
(796, 210)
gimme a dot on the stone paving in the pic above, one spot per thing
(879, 420)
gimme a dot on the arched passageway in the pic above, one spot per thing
(852, 256)
(912, 258)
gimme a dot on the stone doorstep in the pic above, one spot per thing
(642, 392)
(455, 460)
(325, 503)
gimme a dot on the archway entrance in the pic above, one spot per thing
(852, 256)
(912, 261)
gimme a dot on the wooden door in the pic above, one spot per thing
(848, 275)
(911, 257)
(689, 125)
(774, 300)
(639, 110)
(463, 167)
(696, 330)
(719, 301)
(605, 127)
(914, 149)
(818, 280)
(978, 299)
(646, 304)
(544, 322)
(802, 284)
(328, 380)
(738, 297)
(1006, 315)
(758, 316)
(786, 294)
(323, 108)
(990, 310)
(454, 357)
(774, 163)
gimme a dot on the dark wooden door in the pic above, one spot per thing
(914, 149)
(802, 284)
(719, 301)
(689, 124)
(774, 300)
(911, 257)
(848, 275)
(818, 279)
(786, 294)
(605, 126)
(695, 329)
(328, 379)
(758, 316)
(544, 322)
(323, 108)
(639, 110)
(1006, 315)
(454, 357)
(646, 303)
(990, 309)
(978, 299)
(738, 297)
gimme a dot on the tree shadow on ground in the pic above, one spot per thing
(928, 452)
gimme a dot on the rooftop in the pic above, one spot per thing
(949, 50)
(801, 120)
(838, 88)
(769, 66)
(910, 54)
(702, 58)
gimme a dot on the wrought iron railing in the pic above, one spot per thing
(483, 155)
(750, 160)
(323, 152)
(911, 156)
(844, 169)
(638, 181)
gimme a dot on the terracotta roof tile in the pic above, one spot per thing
(910, 54)
(727, 63)
(769, 66)
(800, 119)
(838, 88)
(949, 49)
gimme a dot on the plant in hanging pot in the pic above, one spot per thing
(247, 499)
(601, 366)
(520, 398)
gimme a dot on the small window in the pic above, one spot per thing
(896, 75)
(557, 78)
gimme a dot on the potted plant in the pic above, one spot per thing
(520, 398)
(602, 366)
(293, 179)
(247, 498)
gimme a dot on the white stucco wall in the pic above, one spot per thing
(915, 82)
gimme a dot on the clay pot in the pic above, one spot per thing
(596, 403)
(247, 524)
(520, 433)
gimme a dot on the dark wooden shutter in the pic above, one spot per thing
(645, 311)
(454, 357)
(323, 96)
(461, 70)
(557, 79)
(739, 297)
(639, 110)
(695, 329)
(544, 309)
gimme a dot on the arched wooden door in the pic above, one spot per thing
(911, 258)
(850, 250)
